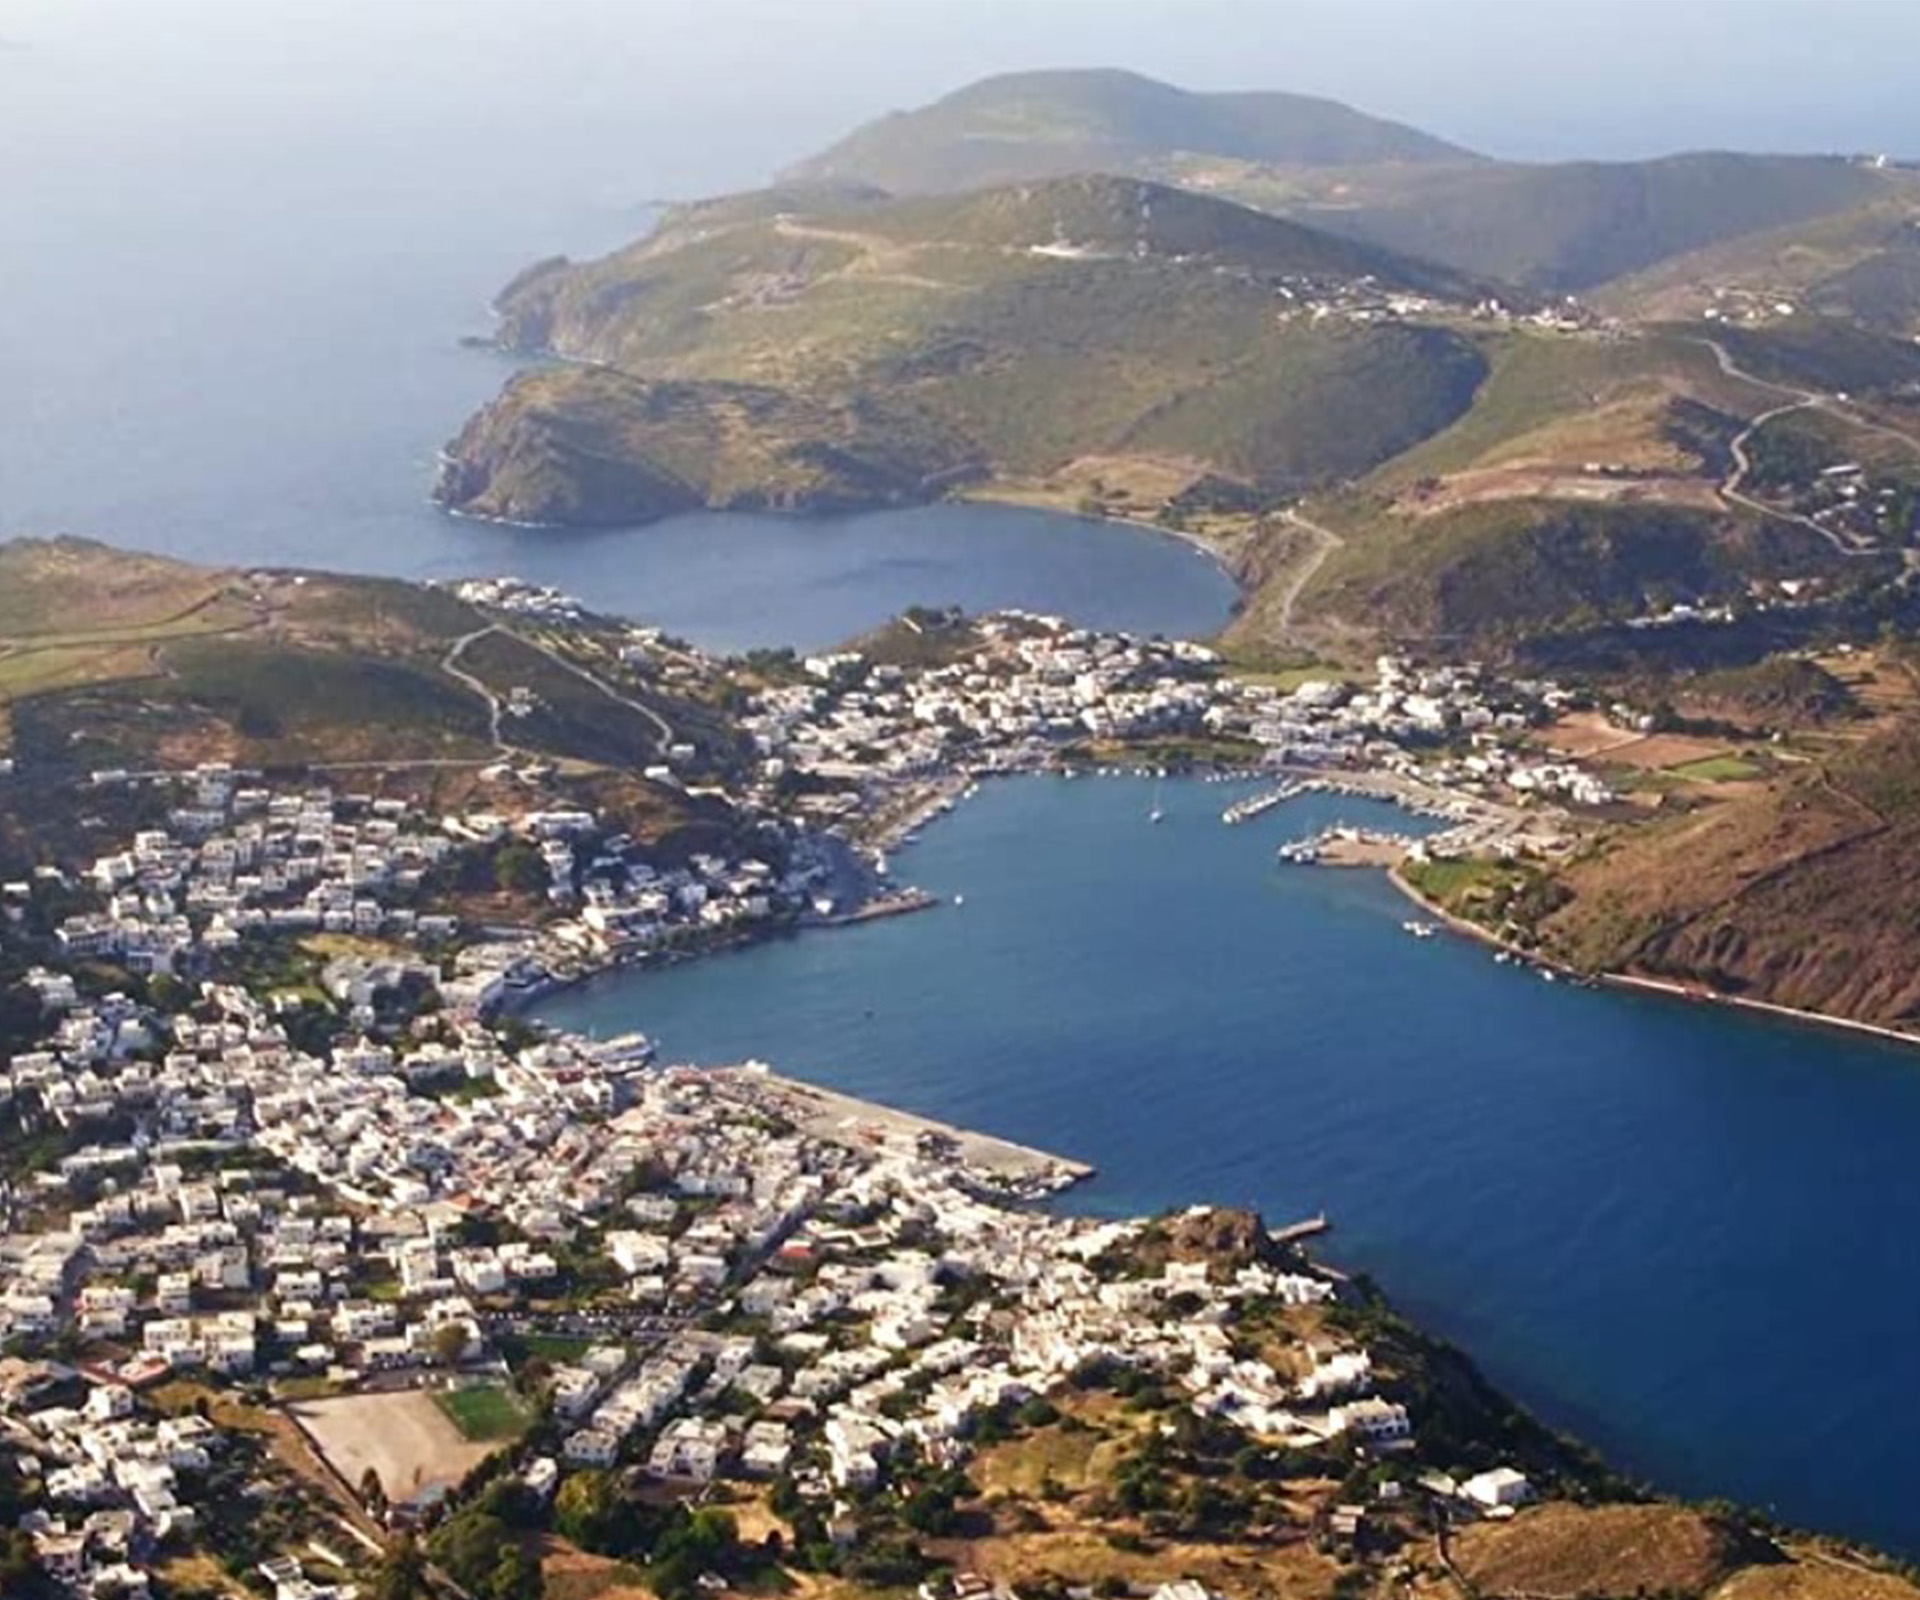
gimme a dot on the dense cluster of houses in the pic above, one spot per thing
(226, 1195)
(802, 1286)
(235, 858)
(1029, 684)
(119, 1481)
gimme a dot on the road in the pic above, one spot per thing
(663, 730)
(449, 665)
(1328, 542)
(1794, 400)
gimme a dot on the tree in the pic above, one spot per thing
(585, 1510)
(930, 1511)
(402, 1573)
(373, 1493)
(518, 869)
(515, 1576)
(449, 1343)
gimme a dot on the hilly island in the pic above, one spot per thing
(1338, 352)
(1457, 827)
(327, 837)
(1342, 356)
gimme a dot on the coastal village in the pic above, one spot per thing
(298, 1206)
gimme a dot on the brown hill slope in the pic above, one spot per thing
(1800, 893)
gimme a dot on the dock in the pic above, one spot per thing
(1307, 1228)
(1259, 804)
(999, 1165)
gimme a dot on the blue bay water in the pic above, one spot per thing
(235, 338)
(229, 323)
(1683, 1233)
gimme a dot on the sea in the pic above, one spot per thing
(230, 331)
(1683, 1233)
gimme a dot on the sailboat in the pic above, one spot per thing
(1156, 814)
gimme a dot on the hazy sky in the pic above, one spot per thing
(692, 95)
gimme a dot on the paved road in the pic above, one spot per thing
(450, 664)
(1794, 399)
(663, 730)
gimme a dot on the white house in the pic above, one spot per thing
(1501, 1486)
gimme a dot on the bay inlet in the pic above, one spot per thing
(1607, 1198)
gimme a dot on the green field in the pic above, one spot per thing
(554, 1347)
(484, 1414)
(1716, 769)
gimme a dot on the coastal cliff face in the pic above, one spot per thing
(588, 447)
(837, 350)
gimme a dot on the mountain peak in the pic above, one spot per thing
(1026, 125)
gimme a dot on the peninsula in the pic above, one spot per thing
(1348, 356)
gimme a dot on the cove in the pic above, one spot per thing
(1682, 1233)
(246, 350)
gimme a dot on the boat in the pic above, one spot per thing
(959, 899)
(1420, 930)
(1156, 814)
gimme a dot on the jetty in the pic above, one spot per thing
(1259, 804)
(995, 1166)
(1307, 1228)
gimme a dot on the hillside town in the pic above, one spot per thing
(281, 1134)
(760, 1302)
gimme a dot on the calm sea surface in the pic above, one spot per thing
(246, 350)
(1685, 1234)
(229, 318)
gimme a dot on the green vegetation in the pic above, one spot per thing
(866, 352)
(549, 1347)
(483, 1414)
(589, 446)
(1028, 125)
(293, 701)
(1559, 227)
(1824, 353)
(678, 1544)
(1507, 897)
(1780, 691)
(1503, 568)
(1539, 382)
(487, 1544)
(1716, 769)
(1572, 225)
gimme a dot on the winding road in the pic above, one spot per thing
(1328, 542)
(663, 730)
(1794, 400)
(450, 664)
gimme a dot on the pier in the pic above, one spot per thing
(998, 1165)
(1307, 1228)
(1259, 804)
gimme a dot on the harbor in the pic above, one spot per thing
(995, 1165)
(1166, 1006)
